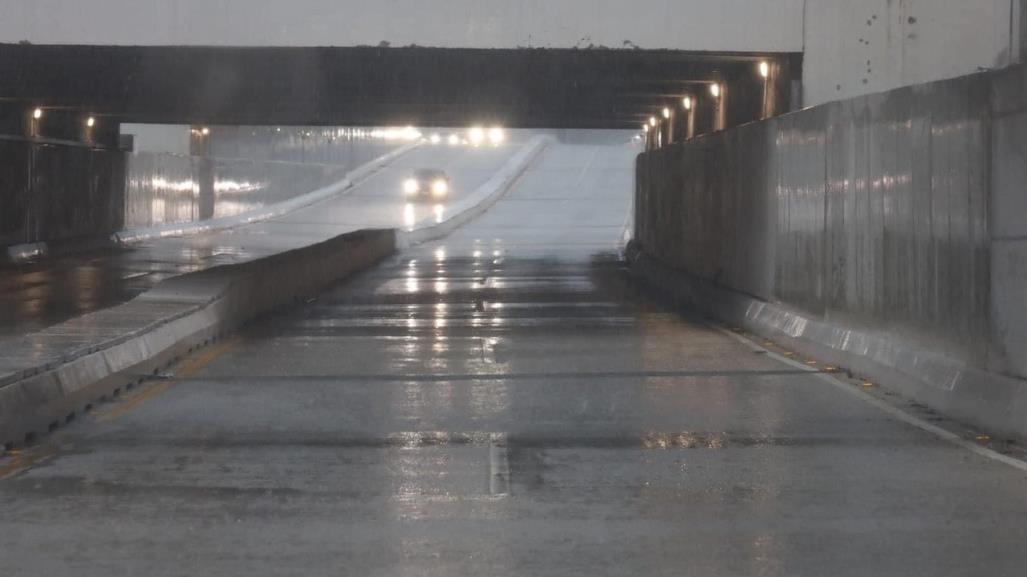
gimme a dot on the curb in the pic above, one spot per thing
(352, 178)
(197, 308)
(985, 399)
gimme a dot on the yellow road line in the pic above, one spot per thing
(188, 369)
(21, 461)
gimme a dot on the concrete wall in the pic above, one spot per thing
(169, 188)
(717, 25)
(864, 46)
(158, 138)
(898, 213)
(54, 191)
(236, 169)
(1008, 211)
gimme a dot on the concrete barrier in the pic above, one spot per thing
(48, 376)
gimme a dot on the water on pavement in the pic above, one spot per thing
(506, 402)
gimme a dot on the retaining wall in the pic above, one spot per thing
(171, 189)
(58, 191)
(893, 218)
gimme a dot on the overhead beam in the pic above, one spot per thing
(557, 88)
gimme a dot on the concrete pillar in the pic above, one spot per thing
(200, 138)
(768, 106)
(719, 102)
(689, 104)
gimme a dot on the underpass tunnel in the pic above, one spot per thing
(412, 310)
(71, 102)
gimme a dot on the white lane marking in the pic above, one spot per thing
(891, 410)
(499, 466)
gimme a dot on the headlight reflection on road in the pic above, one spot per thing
(440, 211)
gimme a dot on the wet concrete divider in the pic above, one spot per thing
(883, 234)
(476, 203)
(49, 376)
(46, 377)
(278, 209)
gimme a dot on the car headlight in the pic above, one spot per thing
(439, 188)
(410, 186)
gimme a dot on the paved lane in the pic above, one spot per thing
(504, 402)
(42, 294)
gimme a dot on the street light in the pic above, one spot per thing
(687, 102)
(205, 131)
(37, 113)
(90, 122)
(715, 90)
(666, 113)
(765, 69)
(652, 121)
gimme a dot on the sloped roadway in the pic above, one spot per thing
(505, 402)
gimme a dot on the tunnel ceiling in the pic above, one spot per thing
(555, 88)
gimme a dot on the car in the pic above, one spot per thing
(427, 184)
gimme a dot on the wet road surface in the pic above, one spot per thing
(505, 402)
(35, 296)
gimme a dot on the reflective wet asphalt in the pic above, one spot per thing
(37, 295)
(504, 402)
